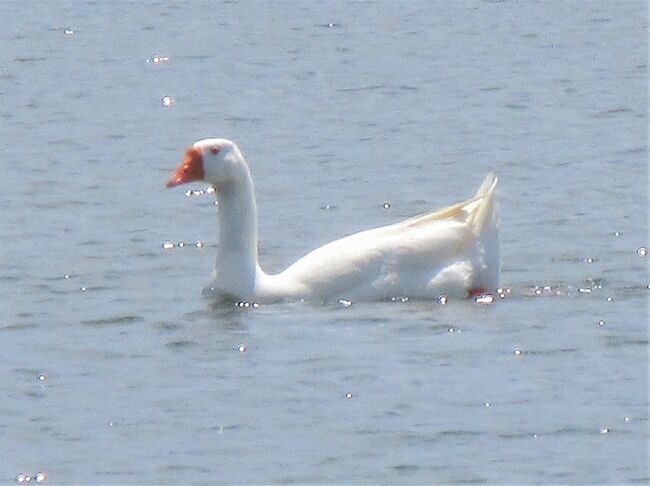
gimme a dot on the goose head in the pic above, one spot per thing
(215, 160)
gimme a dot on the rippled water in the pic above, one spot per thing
(116, 370)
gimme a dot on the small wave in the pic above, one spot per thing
(109, 321)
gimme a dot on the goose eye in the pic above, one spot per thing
(214, 150)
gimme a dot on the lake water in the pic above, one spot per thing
(115, 370)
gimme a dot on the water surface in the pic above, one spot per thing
(116, 370)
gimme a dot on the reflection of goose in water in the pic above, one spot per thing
(452, 251)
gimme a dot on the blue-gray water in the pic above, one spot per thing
(340, 107)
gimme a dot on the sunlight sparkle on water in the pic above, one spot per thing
(68, 31)
(244, 304)
(516, 352)
(42, 377)
(159, 59)
(442, 299)
(39, 477)
(167, 101)
(643, 251)
(199, 192)
(348, 395)
(484, 299)
(168, 245)
(241, 348)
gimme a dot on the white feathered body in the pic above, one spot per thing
(452, 251)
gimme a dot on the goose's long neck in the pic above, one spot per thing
(236, 262)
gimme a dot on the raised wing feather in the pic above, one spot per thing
(400, 258)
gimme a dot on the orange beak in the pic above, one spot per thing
(190, 170)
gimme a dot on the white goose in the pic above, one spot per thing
(453, 251)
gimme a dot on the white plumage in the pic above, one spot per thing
(452, 251)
